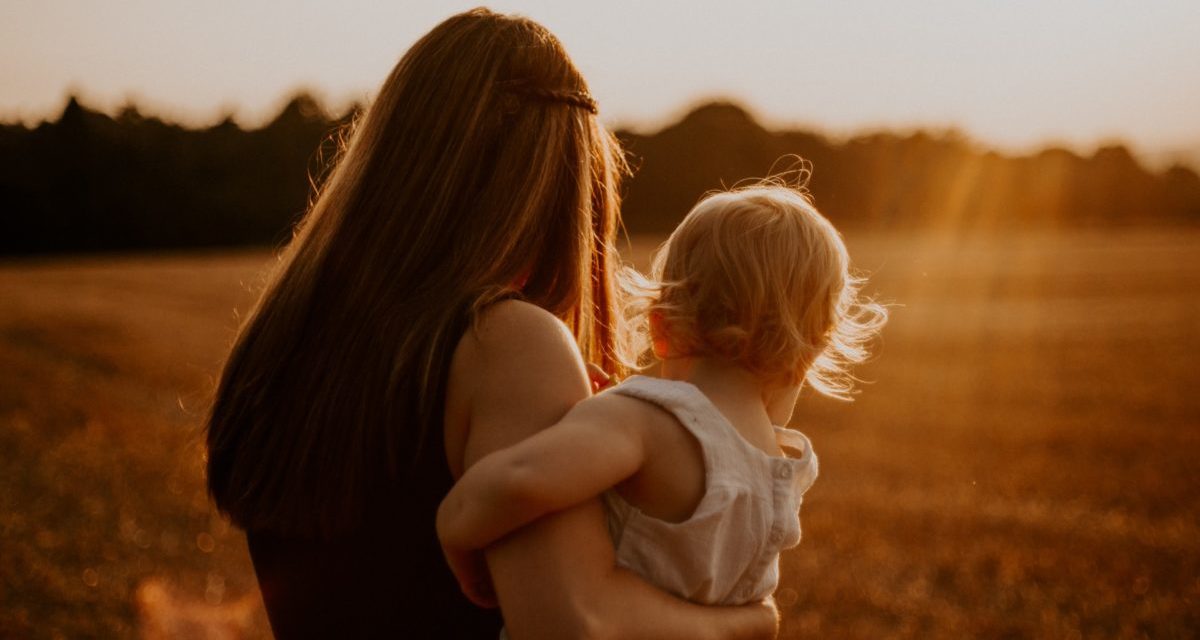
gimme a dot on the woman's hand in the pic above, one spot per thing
(599, 378)
(769, 614)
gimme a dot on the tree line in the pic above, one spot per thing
(93, 182)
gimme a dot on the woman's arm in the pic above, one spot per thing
(558, 578)
(598, 444)
(519, 373)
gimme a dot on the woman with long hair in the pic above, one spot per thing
(436, 303)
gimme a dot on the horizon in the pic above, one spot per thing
(333, 111)
(1015, 78)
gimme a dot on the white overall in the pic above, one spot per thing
(727, 552)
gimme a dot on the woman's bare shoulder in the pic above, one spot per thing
(516, 344)
(515, 372)
(516, 326)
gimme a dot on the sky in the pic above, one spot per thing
(1012, 74)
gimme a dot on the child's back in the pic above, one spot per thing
(709, 512)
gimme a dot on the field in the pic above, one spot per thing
(1021, 463)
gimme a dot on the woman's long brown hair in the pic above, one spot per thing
(479, 164)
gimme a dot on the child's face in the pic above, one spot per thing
(780, 401)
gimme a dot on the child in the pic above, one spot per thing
(752, 297)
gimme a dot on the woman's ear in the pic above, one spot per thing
(658, 335)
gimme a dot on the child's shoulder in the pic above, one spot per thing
(669, 397)
(617, 404)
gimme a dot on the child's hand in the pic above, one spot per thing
(466, 561)
(471, 571)
(599, 378)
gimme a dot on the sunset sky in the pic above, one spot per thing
(1013, 74)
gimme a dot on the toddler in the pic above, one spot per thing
(751, 297)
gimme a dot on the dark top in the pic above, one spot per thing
(387, 579)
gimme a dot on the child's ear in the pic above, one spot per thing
(780, 401)
(658, 335)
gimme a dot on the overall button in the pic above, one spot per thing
(784, 471)
(776, 537)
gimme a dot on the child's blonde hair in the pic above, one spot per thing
(758, 276)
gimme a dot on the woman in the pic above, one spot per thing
(431, 308)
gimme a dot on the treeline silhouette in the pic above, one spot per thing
(91, 182)
(889, 181)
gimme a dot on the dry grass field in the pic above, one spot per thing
(1023, 462)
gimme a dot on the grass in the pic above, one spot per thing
(1022, 462)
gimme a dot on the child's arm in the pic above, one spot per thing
(596, 445)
